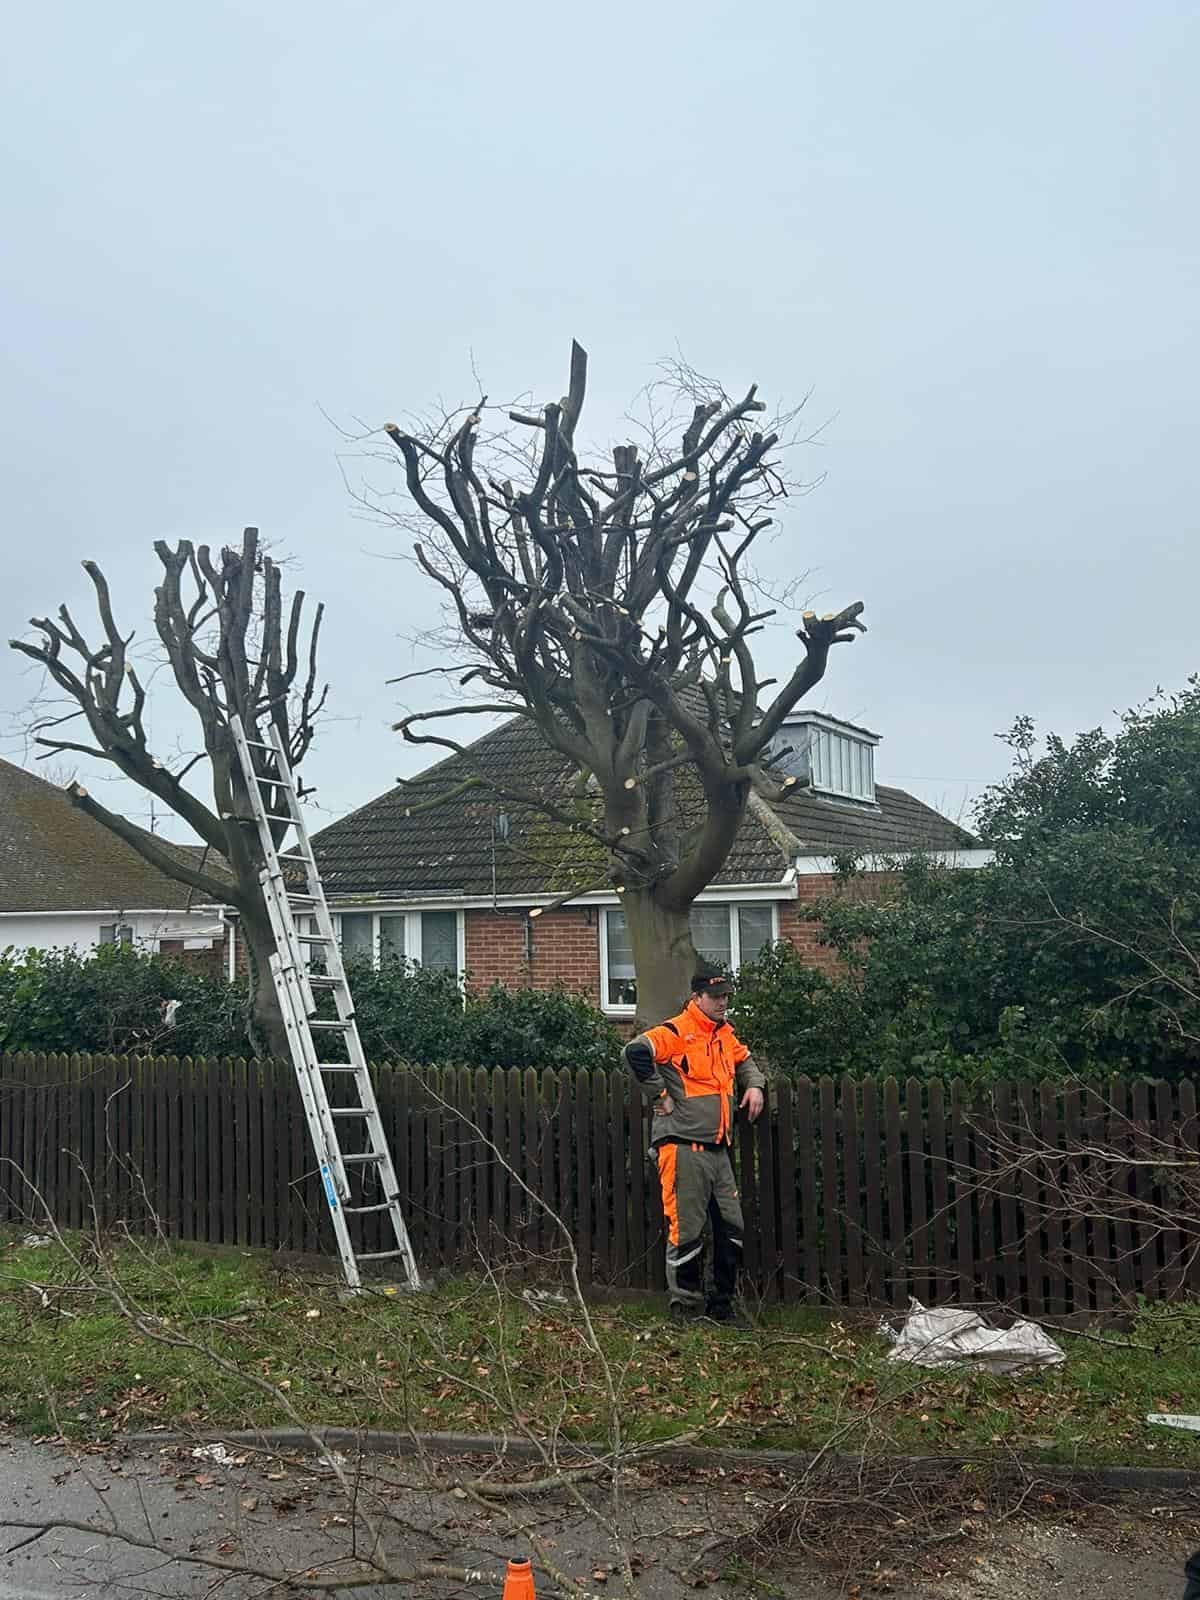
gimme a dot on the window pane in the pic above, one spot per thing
(620, 982)
(754, 930)
(710, 934)
(820, 747)
(358, 936)
(391, 937)
(439, 940)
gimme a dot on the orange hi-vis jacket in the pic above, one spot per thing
(699, 1063)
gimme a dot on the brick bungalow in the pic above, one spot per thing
(452, 885)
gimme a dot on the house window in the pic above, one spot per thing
(358, 934)
(392, 928)
(620, 986)
(429, 938)
(755, 929)
(727, 934)
(116, 933)
(834, 757)
(842, 765)
(439, 940)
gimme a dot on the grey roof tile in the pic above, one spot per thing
(392, 848)
(53, 857)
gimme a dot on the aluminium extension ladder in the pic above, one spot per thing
(295, 985)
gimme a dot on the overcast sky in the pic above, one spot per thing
(970, 230)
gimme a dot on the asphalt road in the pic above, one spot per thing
(288, 1517)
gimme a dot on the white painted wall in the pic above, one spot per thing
(80, 930)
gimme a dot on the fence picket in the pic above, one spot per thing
(965, 1288)
(918, 1202)
(579, 1115)
(601, 1184)
(789, 1227)
(1148, 1237)
(852, 1193)
(1188, 1135)
(897, 1283)
(1050, 1140)
(831, 1210)
(1032, 1219)
(1121, 1138)
(941, 1281)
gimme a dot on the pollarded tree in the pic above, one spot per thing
(232, 647)
(612, 604)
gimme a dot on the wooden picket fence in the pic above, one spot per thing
(855, 1192)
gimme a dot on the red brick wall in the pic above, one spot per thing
(211, 961)
(566, 943)
(566, 950)
(820, 886)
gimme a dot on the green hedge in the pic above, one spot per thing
(112, 1002)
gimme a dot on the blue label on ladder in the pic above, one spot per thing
(330, 1191)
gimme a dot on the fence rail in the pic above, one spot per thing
(1042, 1197)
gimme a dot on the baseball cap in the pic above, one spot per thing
(712, 983)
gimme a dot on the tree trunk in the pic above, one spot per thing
(664, 956)
(264, 1022)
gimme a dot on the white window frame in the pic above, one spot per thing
(735, 941)
(412, 930)
(828, 744)
(122, 933)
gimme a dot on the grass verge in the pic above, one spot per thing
(473, 1356)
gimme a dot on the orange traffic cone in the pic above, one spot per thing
(518, 1581)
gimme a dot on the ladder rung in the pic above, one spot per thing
(342, 1022)
(362, 1211)
(381, 1255)
(351, 1111)
(272, 816)
(290, 855)
(337, 1066)
(362, 1160)
(257, 744)
(314, 938)
(323, 980)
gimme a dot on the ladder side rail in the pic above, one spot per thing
(253, 778)
(304, 1055)
(312, 1097)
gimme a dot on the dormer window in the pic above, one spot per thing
(836, 758)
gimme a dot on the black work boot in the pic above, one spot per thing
(729, 1315)
(682, 1315)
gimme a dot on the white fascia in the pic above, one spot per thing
(827, 866)
(119, 911)
(783, 888)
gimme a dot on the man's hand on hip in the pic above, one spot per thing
(663, 1106)
(752, 1104)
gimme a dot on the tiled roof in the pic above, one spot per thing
(53, 857)
(392, 848)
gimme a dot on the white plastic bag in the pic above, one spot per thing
(958, 1338)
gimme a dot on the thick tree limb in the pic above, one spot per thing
(219, 892)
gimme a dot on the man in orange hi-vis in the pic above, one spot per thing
(690, 1067)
